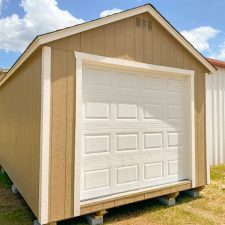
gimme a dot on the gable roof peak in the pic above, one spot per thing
(62, 33)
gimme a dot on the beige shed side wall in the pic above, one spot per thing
(120, 40)
(20, 102)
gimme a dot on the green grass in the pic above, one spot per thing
(4, 180)
(209, 209)
(218, 173)
(13, 209)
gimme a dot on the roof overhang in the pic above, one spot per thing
(59, 34)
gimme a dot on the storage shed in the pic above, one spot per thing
(215, 113)
(104, 114)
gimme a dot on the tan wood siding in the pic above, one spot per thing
(20, 115)
(121, 40)
(110, 40)
(130, 31)
(58, 133)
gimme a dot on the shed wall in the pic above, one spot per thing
(215, 117)
(119, 40)
(20, 101)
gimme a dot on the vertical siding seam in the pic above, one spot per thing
(135, 45)
(143, 47)
(92, 41)
(66, 144)
(152, 41)
(104, 41)
(115, 51)
(125, 38)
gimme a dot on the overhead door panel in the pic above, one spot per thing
(133, 131)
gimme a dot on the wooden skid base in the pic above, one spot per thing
(93, 221)
(36, 222)
(194, 193)
(168, 200)
(96, 218)
(14, 189)
(91, 207)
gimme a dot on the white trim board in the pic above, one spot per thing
(45, 135)
(78, 112)
(84, 58)
(46, 38)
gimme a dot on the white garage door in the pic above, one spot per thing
(132, 131)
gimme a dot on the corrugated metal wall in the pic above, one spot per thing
(215, 116)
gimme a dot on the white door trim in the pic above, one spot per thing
(45, 135)
(84, 58)
(78, 112)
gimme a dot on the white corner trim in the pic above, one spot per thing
(45, 135)
(84, 58)
(208, 126)
(78, 115)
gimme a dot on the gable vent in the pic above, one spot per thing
(144, 24)
(149, 25)
(138, 22)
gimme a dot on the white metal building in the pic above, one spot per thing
(215, 113)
